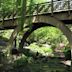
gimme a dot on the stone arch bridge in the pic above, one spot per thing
(56, 13)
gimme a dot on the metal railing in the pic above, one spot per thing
(43, 8)
(56, 6)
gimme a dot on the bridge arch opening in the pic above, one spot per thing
(49, 30)
(60, 43)
(30, 31)
(41, 21)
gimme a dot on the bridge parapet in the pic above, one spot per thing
(42, 8)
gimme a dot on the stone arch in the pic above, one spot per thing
(42, 21)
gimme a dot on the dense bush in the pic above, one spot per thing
(49, 35)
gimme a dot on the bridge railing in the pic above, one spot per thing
(58, 6)
(43, 8)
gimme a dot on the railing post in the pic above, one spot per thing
(68, 7)
(52, 7)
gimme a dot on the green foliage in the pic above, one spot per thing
(6, 33)
(41, 49)
(45, 35)
(18, 3)
(7, 5)
(20, 62)
(49, 35)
